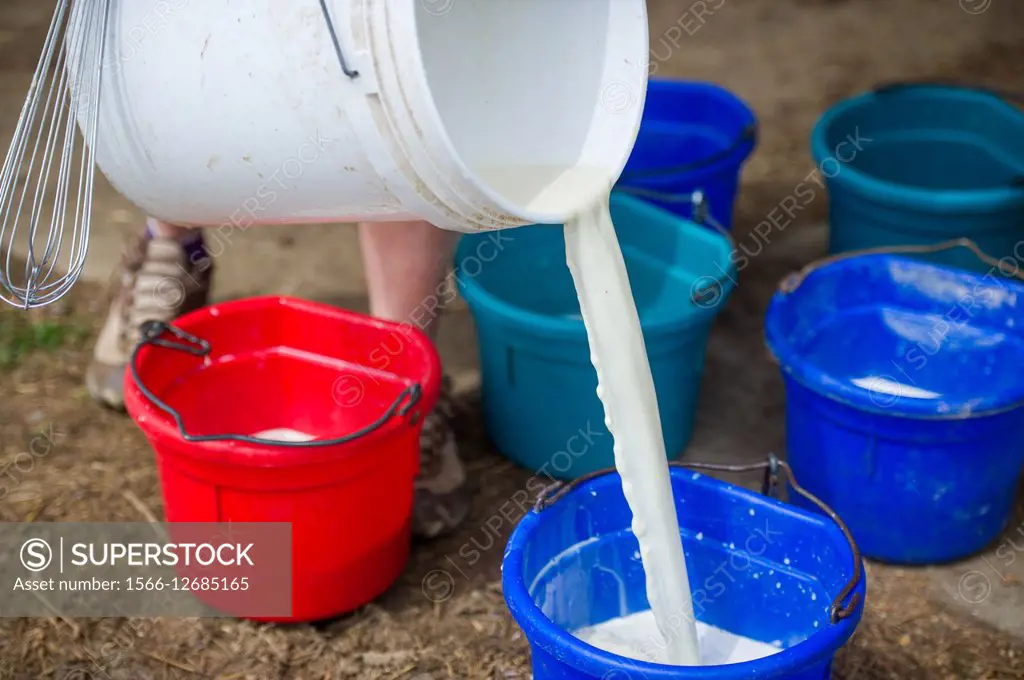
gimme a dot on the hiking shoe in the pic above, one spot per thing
(159, 279)
(442, 500)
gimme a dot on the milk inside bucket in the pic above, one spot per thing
(464, 113)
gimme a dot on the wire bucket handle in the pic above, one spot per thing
(153, 333)
(710, 291)
(773, 469)
(340, 53)
(794, 280)
(748, 134)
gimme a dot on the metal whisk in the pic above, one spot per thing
(46, 184)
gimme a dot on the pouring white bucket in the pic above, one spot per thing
(461, 112)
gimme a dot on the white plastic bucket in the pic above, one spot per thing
(238, 111)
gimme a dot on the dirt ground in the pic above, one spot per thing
(790, 59)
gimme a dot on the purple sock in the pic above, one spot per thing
(195, 247)
(192, 242)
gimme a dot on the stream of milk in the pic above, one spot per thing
(626, 389)
(625, 384)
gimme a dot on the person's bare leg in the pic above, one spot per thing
(406, 266)
(165, 272)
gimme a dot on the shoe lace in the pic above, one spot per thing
(141, 297)
(437, 429)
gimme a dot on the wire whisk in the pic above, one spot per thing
(46, 185)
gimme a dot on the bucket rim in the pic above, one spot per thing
(541, 325)
(795, 366)
(432, 134)
(161, 428)
(542, 632)
(930, 201)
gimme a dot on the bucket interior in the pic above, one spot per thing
(282, 364)
(929, 138)
(758, 568)
(897, 333)
(665, 256)
(535, 89)
(280, 390)
(686, 122)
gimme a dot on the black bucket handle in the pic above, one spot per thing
(794, 280)
(1007, 96)
(748, 134)
(153, 334)
(770, 487)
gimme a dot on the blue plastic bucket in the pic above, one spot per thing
(539, 387)
(694, 136)
(923, 163)
(758, 568)
(905, 407)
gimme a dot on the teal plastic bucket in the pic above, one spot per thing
(917, 164)
(539, 387)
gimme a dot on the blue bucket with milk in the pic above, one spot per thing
(759, 568)
(905, 407)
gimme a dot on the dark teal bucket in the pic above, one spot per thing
(539, 383)
(916, 164)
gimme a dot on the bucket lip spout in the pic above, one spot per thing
(930, 201)
(553, 639)
(930, 282)
(559, 327)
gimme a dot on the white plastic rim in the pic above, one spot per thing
(464, 112)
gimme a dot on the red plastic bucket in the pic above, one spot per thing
(201, 388)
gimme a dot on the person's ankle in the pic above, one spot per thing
(172, 232)
(191, 240)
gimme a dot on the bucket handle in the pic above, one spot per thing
(709, 293)
(747, 134)
(152, 334)
(795, 280)
(353, 74)
(772, 467)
